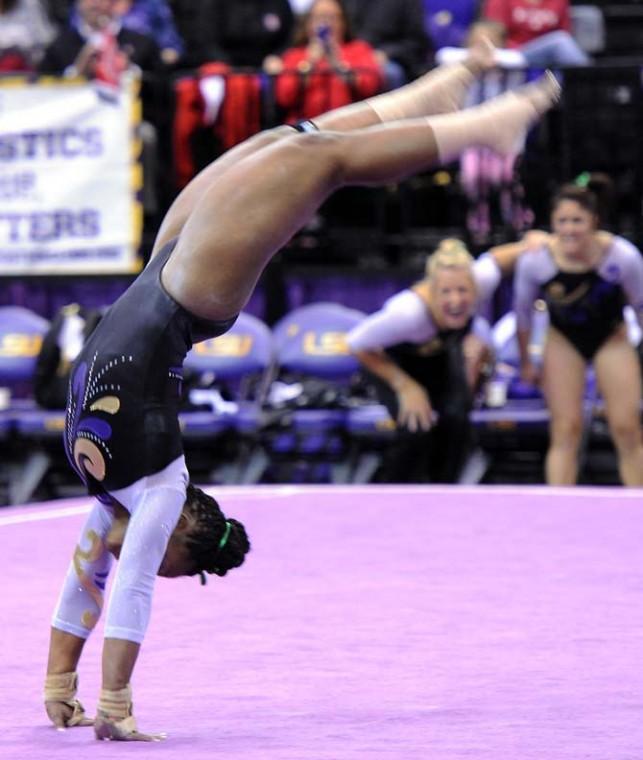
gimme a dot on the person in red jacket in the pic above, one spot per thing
(327, 68)
(541, 29)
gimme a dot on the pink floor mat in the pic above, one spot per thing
(375, 622)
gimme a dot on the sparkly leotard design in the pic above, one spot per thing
(586, 307)
(124, 394)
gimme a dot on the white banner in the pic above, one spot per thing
(69, 174)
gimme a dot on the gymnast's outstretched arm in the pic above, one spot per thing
(77, 612)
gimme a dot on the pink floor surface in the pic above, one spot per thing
(376, 622)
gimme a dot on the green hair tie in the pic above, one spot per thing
(583, 179)
(222, 543)
(225, 536)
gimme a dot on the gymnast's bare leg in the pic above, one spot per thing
(253, 208)
(441, 90)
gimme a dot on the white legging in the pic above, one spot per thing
(155, 505)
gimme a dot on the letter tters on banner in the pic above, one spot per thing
(69, 178)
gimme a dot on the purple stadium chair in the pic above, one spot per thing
(236, 364)
(317, 431)
(36, 434)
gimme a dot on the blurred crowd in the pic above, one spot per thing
(216, 71)
(401, 35)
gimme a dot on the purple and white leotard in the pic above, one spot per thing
(586, 307)
(404, 317)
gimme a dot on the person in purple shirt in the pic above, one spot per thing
(585, 276)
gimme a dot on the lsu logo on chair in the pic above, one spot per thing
(20, 345)
(234, 345)
(331, 343)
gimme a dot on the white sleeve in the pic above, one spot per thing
(148, 534)
(403, 318)
(631, 262)
(81, 599)
(504, 58)
(482, 330)
(487, 275)
(507, 58)
(450, 55)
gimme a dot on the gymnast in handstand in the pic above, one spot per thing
(122, 433)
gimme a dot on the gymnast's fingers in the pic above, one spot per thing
(124, 730)
(59, 714)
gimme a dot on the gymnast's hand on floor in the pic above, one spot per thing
(124, 730)
(115, 718)
(62, 707)
(67, 714)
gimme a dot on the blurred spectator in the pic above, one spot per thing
(79, 48)
(187, 18)
(327, 68)
(25, 31)
(218, 107)
(154, 18)
(585, 275)
(62, 343)
(300, 7)
(490, 183)
(541, 30)
(240, 33)
(59, 11)
(97, 46)
(395, 28)
(447, 23)
(484, 33)
(424, 353)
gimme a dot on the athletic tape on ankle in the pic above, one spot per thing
(61, 687)
(116, 704)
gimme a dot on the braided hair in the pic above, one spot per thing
(216, 544)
